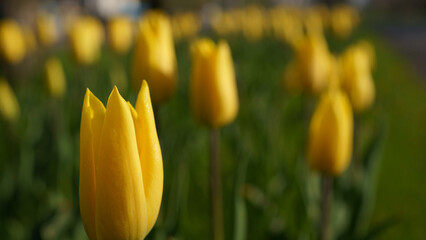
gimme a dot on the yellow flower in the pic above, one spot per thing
(185, 25)
(54, 77)
(343, 19)
(253, 23)
(121, 169)
(120, 33)
(154, 57)
(291, 77)
(330, 134)
(12, 42)
(46, 29)
(30, 40)
(213, 90)
(313, 59)
(86, 36)
(9, 106)
(356, 77)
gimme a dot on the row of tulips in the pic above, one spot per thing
(121, 168)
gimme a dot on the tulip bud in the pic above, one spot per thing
(331, 134)
(12, 42)
(253, 23)
(213, 90)
(46, 29)
(120, 33)
(154, 57)
(9, 106)
(86, 36)
(54, 77)
(313, 59)
(357, 79)
(121, 169)
(30, 40)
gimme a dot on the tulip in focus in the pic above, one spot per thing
(313, 60)
(357, 77)
(9, 106)
(154, 57)
(213, 90)
(12, 41)
(331, 134)
(55, 77)
(46, 29)
(86, 36)
(120, 34)
(121, 169)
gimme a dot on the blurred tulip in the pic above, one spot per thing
(54, 77)
(30, 40)
(154, 58)
(46, 29)
(121, 169)
(12, 41)
(9, 106)
(253, 23)
(213, 90)
(185, 25)
(356, 76)
(343, 20)
(291, 77)
(86, 36)
(313, 59)
(120, 34)
(331, 134)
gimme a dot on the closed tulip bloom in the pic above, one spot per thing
(120, 34)
(331, 134)
(86, 36)
(154, 57)
(357, 79)
(9, 106)
(46, 29)
(313, 59)
(12, 41)
(121, 169)
(54, 77)
(213, 90)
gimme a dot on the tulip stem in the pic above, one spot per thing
(215, 186)
(327, 198)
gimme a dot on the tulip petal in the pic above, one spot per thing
(150, 153)
(91, 125)
(121, 210)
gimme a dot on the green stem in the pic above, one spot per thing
(215, 187)
(326, 201)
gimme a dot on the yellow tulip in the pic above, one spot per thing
(253, 23)
(185, 25)
(9, 106)
(154, 57)
(30, 40)
(343, 20)
(46, 29)
(121, 169)
(86, 36)
(12, 42)
(313, 59)
(55, 77)
(291, 77)
(213, 90)
(331, 134)
(120, 33)
(356, 76)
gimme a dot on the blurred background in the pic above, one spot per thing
(268, 190)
